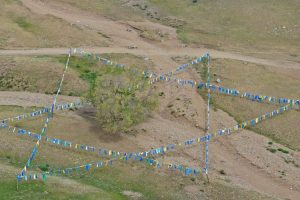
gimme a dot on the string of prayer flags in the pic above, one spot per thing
(214, 88)
(32, 177)
(33, 153)
(147, 74)
(65, 106)
(205, 57)
(229, 91)
(166, 148)
(96, 57)
(145, 155)
(185, 170)
(167, 76)
(36, 136)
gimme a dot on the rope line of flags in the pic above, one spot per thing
(40, 112)
(168, 76)
(144, 155)
(153, 152)
(43, 131)
(228, 91)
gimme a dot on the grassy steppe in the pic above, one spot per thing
(258, 27)
(38, 74)
(20, 28)
(252, 25)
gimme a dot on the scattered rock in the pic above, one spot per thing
(132, 195)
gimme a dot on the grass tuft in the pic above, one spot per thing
(24, 23)
(272, 150)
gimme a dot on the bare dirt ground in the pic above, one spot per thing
(180, 51)
(242, 156)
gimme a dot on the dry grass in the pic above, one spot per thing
(42, 73)
(237, 24)
(227, 25)
(21, 28)
(109, 8)
(38, 74)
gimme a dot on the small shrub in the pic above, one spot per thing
(270, 143)
(283, 150)
(222, 172)
(119, 104)
(271, 150)
(44, 168)
(161, 94)
(71, 93)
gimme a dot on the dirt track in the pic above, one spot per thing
(31, 99)
(148, 52)
(225, 154)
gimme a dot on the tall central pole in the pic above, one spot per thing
(208, 118)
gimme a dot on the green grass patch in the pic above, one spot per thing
(37, 190)
(44, 167)
(25, 24)
(283, 150)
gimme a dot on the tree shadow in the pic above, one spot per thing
(89, 113)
